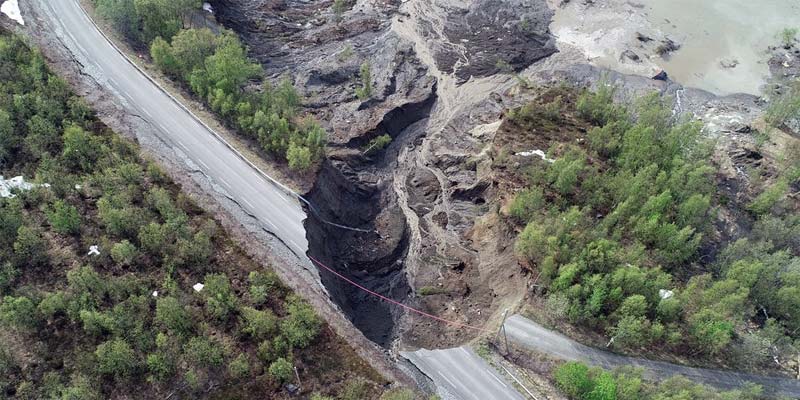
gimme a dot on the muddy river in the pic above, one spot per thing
(723, 43)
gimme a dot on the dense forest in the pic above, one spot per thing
(112, 281)
(215, 68)
(619, 225)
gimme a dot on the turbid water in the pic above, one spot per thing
(723, 43)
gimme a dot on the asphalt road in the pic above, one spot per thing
(535, 337)
(461, 374)
(197, 145)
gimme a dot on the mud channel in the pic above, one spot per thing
(356, 190)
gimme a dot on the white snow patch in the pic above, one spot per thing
(198, 287)
(155, 293)
(93, 250)
(536, 152)
(11, 9)
(665, 294)
(17, 182)
(207, 7)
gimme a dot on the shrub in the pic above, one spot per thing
(262, 284)
(767, 199)
(161, 366)
(152, 238)
(377, 144)
(355, 389)
(239, 368)
(526, 203)
(398, 394)
(281, 369)
(271, 350)
(788, 36)
(598, 107)
(64, 218)
(339, 7)
(80, 388)
(124, 252)
(258, 324)
(96, 323)
(202, 352)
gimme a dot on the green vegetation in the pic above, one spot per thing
(788, 36)
(141, 21)
(339, 8)
(785, 107)
(580, 382)
(128, 317)
(365, 76)
(615, 228)
(377, 144)
(216, 69)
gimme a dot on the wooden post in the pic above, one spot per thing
(296, 374)
(502, 324)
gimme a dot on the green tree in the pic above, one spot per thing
(191, 47)
(711, 331)
(573, 378)
(339, 7)
(64, 218)
(30, 248)
(203, 352)
(365, 76)
(299, 157)
(80, 388)
(161, 51)
(115, 357)
(81, 149)
(18, 312)
(302, 325)
(605, 387)
(171, 314)
(52, 304)
(220, 299)
(258, 324)
(122, 13)
(152, 238)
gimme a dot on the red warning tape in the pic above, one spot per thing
(395, 302)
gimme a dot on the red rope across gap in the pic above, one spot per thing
(395, 302)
